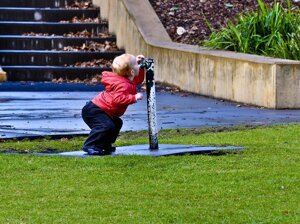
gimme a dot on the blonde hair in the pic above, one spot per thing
(123, 64)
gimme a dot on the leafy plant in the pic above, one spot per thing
(271, 31)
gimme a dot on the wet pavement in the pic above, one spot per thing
(59, 113)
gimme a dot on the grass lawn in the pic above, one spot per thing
(261, 184)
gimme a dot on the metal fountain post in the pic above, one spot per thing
(148, 64)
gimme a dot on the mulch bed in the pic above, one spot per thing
(185, 20)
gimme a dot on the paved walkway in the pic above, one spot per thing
(59, 113)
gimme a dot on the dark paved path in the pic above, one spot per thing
(59, 113)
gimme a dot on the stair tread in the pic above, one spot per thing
(49, 23)
(51, 37)
(36, 3)
(47, 14)
(47, 9)
(52, 28)
(58, 52)
(50, 42)
(48, 73)
(49, 66)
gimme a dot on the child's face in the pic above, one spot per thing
(134, 69)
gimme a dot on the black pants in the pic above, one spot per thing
(104, 129)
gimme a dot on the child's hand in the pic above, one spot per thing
(139, 96)
(140, 58)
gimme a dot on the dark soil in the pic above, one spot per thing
(190, 15)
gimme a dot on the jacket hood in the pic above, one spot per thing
(110, 79)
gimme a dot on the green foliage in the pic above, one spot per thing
(258, 185)
(271, 31)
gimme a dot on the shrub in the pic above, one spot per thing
(271, 31)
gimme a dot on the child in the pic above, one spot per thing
(102, 114)
(3, 76)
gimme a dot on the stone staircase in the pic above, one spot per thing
(43, 40)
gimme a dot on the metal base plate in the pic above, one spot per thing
(164, 150)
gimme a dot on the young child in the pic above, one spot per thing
(102, 114)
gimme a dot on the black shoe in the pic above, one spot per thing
(111, 149)
(94, 152)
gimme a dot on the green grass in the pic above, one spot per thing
(259, 185)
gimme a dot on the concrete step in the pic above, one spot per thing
(34, 33)
(14, 42)
(45, 87)
(48, 73)
(55, 58)
(18, 28)
(46, 14)
(36, 3)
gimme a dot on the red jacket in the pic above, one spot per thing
(118, 94)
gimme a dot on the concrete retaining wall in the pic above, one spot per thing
(251, 79)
